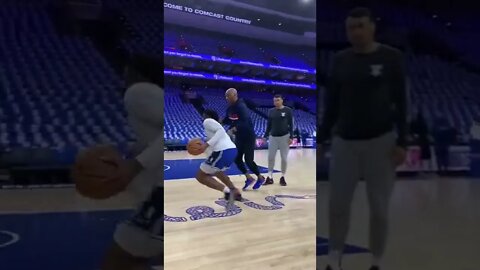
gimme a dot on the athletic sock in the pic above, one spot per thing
(283, 174)
(270, 174)
(226, 190)
(334, 259)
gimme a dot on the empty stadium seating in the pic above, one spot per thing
(183, 121)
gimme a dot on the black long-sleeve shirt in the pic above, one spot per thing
(238, 116)
(280, 122)
(366, 96)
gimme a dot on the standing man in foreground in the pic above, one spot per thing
(245, 138)
(279, 133)
(365, 101)
(139, 239)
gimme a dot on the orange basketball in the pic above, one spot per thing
(93, 177)
(194, 147)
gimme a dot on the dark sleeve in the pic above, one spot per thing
(331, 106)
(227, 121)
(400, 98)
(269, 125)
(290, 123)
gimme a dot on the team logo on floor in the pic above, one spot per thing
(8, 238)
(203, 212)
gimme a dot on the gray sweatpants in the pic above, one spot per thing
(275, 144)
(372, 161)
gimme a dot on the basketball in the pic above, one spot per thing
(92, 175)
(194, 147)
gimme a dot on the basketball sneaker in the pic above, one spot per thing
(374, 268)
(259, 182)
(248, 183)
(330, 268)
(282, 181)
(269, 181)
(231, 197)
(236, 195)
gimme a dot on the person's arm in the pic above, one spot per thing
(290, 122)
(226, 120)
(152, 156)
(331, 106)
(400, 99)
(269, 124)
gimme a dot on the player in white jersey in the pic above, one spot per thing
(221, 152)
(139, 239)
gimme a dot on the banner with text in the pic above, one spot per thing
(237, 61)
(207, 13)
(209, 76)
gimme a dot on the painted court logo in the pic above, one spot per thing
(8, 238)
(203, 212)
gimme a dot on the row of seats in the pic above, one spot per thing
(182, 120)
(57, 92)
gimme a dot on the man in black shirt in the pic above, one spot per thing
(365, 101)
(238, 117)
(279, 133)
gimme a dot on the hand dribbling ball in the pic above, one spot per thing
(194, 147)
(95, 178)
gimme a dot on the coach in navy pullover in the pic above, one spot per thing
(238, 117)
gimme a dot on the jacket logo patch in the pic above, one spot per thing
(376, 70)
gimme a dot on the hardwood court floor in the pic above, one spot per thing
(281, 239)
(435, 225)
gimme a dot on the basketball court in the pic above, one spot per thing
(434, 225)
(57, 229)
(273, 229)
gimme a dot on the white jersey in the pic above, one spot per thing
(217, 137)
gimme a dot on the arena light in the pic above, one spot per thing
(210, 76)
(236, 61)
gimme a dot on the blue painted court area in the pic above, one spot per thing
(71, 240)
(322, 248)
(187, 168)
(56, 241)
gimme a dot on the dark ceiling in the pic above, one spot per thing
(302, 8)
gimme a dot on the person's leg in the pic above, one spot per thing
(284, 149)
(209, 168)
(249, 160)
(343, 176)
(241, 165)
(239, 158)
(225, 179)
(379, 170)
(272, 153)
(227, 158)
(209, 181)
(249, 151)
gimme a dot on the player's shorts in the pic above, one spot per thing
(142, 235)
(219, 161)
